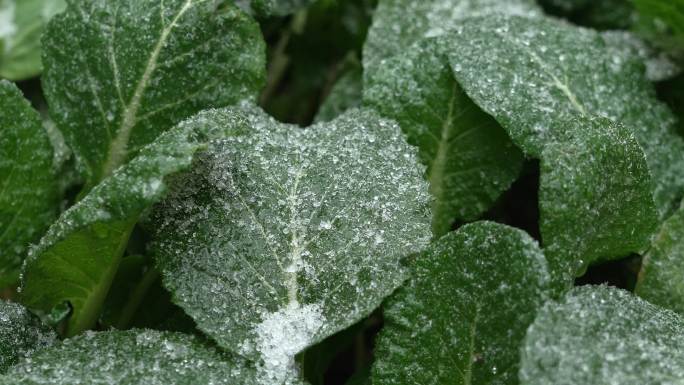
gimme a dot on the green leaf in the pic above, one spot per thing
(131, 357)
(118, 73)
(529, 73)
(659, 66)
(21, 26)
(284, 237)
(599, 335)
(461, 317)
(470, 159)
(393, 32)
(29, 194)
(21, 333)
(78, 258)
(265, 8)
(344, 95)
(606, 210)
(663, 22)
(660, 280)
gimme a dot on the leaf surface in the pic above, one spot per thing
(78, 257)
(282, 238)
(531, 72)
(21, 333)
(659, 66)
(21, 25)
(131, 357)
(600, 335)
(660, 280)
(462, 315)
(29, 194)
(595, 196)
(470, 159)
(118, 73)
(392, 32)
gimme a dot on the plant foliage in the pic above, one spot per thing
(297, 192)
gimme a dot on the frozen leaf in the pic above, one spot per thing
(603, 336)
(660, 281)
(266, 8)
(398, 24)
(595, 196)
(77, 259)
(345, 94)
(29, 195)
(279, 239)
(461, 317)
(118, 73)
(133, 357)
(531, 72)
(21, 26)
(659, 66)
(470, 159)
(21, 333)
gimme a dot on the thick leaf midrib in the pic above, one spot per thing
(438, 168)
(118, 147)
(295, 254)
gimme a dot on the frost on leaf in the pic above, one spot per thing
(113, 71)
(392, 31)
(21, 333)
(658, 65)
(462, 315)
(29, 196)
(603, 336)
(278, 239)
(21, 26)
(530, 72)
(595, 196)
(660, 280)
(470, 159)
(62, 268)
(131, 357)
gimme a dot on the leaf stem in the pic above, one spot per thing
(280, 61)
(136, 298)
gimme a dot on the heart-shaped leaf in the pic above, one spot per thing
(21, 333)
(462, 315)
(282, 238)
(602, 336)
(29, 194)
(113, 71)
(131, 357)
